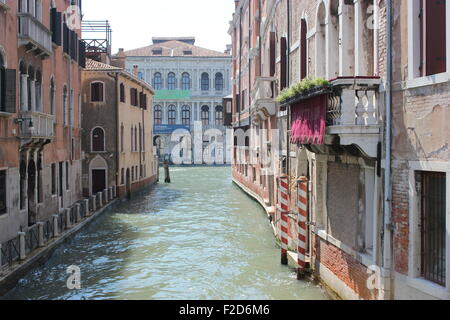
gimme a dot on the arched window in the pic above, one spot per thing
(158, 115)
(303, 49)
(157, 81)
(218, 83)
(23, 86)
(186, 115)
(29, 85)
(122, 93)
(97, 92)
(52, 96)
(186, 81)
(98, 140)
(37, 90)
(172, 115)
(2, 85)
(219, 115)
(205, 81)
(321, 42)
(205, 115)
(171, 81)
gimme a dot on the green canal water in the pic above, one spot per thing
(198, 238)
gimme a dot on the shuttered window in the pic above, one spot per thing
(2, 86)
(97, 92)
(122, 93)
(55, 26)
(272, 53)
(303, 49)
(433, 37)
(82, 54)
(134, 97)
(283, 63)
(3, 207)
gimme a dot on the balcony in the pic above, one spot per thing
(353, 113)
(34, 35)
(36, 126)
(264, 104)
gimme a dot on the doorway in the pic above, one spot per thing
(98, 180)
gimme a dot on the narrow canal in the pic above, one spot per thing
(200, 238)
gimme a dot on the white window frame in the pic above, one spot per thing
(416, 80)
(414, 275)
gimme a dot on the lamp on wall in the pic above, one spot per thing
(30, 123)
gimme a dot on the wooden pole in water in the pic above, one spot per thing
(167, 171)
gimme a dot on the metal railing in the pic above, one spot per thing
(22, 245)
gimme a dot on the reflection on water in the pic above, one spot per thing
(198, 238)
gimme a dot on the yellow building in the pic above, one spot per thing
(117, 122)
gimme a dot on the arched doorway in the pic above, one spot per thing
(98, 175)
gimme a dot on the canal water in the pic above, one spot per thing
(198, 238)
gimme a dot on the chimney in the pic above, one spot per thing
(236, 4)
(119, 59)
(135, 70)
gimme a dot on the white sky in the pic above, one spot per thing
(135, 22)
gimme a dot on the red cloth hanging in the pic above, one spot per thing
(309, 120)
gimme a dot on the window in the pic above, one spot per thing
(52, 96)
(321, 41)
(132, 139)
(98, 140)
(121, 137)
(283, 63)
(205, 82)
(186, 115)
(218, 83)
(172, 115)
(67, 176)
(432, 192)
(96, 92)
(157, 81)
(3, 206)
(2, 85)
(171, 81)
(219, 115)
(122, 176)
(38, 91)
(186, 81)
(433, 41)
(134, 97)
(303, 49)
(205, 115)
(158, 114)
(54, 182)
(65, 111)
(122, 93)
(272, 54)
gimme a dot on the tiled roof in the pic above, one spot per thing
(99, 66)
(174, 48)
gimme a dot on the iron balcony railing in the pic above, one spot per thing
(33, 34)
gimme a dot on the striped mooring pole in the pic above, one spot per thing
(302, 204)
(284, 212)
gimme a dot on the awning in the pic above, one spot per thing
(309, 120)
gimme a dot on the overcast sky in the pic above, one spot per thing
(135, 22)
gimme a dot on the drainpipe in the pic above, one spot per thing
(388, 227)
(115, 76)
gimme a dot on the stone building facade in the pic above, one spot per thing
(372, 142)
(40, 149)
(190, 83)
(117, 131)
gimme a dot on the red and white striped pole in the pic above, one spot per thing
(284, 212)
(302, 204)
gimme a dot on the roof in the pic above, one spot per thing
(188, 40)
(174, 48)
(93, 65)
